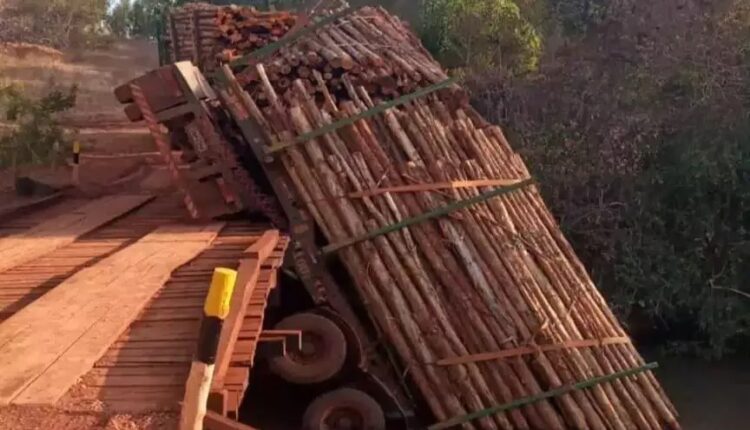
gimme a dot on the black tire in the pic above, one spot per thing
(323, 354)
(360, 410)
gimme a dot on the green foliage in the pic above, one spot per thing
(144, 19)
(139, 18)
(637, 126)
(36, 136)
(62, 23)
(118, 19)
(579, 16)
(684, 252)
(481, 35)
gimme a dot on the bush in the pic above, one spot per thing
(36, 136)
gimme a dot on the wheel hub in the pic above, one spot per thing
(344, 419)
(308, 346)
(313, 349)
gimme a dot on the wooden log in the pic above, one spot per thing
(478, 277)
(357, 37)
(320, 50)
(663, 406)
(519, 304)
(380, 274)
(439, 266)
(342, 59)
(625, 396)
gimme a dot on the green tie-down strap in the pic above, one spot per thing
(375, 110)
(445, 210)
(457, 421)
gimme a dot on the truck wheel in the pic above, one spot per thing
(344, 409)
(323, 351)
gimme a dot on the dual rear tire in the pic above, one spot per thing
(344, 409)
(321, 358)
(323, 352)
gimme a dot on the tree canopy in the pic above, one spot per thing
(635, 122)
(57, 23)
(139, 18)
(481, 34)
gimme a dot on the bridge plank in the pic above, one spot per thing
(58, 338)
(64, 229)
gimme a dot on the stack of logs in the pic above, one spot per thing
(373, 52)
(191, 33)
(245, 29)
(495, 276)
(207, 34)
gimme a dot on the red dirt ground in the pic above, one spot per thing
(47, 418)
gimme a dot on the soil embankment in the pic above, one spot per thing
(97, 119)
(96, 72)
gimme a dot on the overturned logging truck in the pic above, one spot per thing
(433, 262)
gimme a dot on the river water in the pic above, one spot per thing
(708, 395)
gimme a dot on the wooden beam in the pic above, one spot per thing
(217, 402)
(247, 277)
(51, 343)
(263, 248)
(527, 350)
(27, 204)
(65, 229)
(162, 144)
(176, 112)
(435, 187)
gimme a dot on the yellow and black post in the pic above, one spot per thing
(76, 162)
(198, 385)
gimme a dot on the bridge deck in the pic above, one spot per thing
(145, 367)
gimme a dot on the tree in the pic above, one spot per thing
(578, 16)
(481, 35)
(146, 16)
(62, 23)
(637, 130)
(119, 19)
(683, 255)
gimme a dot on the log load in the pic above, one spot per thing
(190, 34)
(245, 29)
(208, 35)
(451, 248)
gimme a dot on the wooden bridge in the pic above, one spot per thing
(101, 301)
